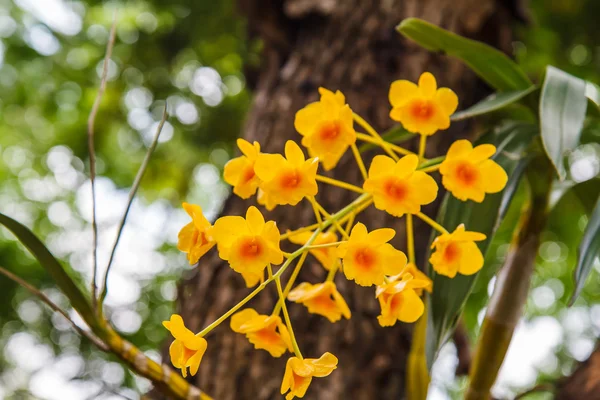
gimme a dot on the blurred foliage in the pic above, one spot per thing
(192, 54)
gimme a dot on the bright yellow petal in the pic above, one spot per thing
(359, 232)
(447, 100)
(324, 365)
(268, 165)
(176, 350)
(241, 317)
(227, 229)
(427, 84)
(293, 153)
(411, 307)
(307, 118)
(381, 165)
(425, 187)
(246, 148)
(472, 260)
(482, 152)
(341, 303)
(379, 236)
(459, 148)
(186, 237)
(196, 359)
(494, 176)
(401, 91)
(405, 166)
(255, 220)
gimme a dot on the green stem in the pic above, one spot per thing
(291, 281)
(286, 316)
(512, 286)
(328, 222)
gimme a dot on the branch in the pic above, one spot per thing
(92, 151)
(45, 299)
(132, 192)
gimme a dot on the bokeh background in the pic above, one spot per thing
(194, 55)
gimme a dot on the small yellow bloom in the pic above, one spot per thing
(287, 180)
(239, 172)
(187, 349)
(469, 174)
(423, 109)
(457, 252)
(397, 187)
(418, 275)
(195, 238)
(367, 257)
(265, 332)
(299, 373)
(327, 126)
(325, 255)
(322, 298)
(265, 200)
(399, 300)
(248, 244)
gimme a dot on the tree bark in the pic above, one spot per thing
(584, 383)
(352, 46)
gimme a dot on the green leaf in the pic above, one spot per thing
(490, 64)
(562, 112)
(589, 249)
(592, 92)
(494, 102)
(75, 295)
(587, 192)
(396, 135)
(450, 295)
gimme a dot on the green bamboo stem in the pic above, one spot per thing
(417, 373)
(510, 293)
(164, 378)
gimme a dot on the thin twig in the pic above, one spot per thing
(132, 192)
(45, 299)
(92, 151)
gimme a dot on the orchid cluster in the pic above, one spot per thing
(397, 182)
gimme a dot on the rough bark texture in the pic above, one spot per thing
(349, 45)
(584, 383)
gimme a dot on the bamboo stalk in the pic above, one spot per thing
(510, 293)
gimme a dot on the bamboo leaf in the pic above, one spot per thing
(592, 92)
(494, 102)
(589, 249)
(450, 295)
(50, 263)
(562, 112)
(490, 64)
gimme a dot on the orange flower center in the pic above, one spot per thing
(395, 303)
(290, 179)
(298, 380)
(451, 252)
(329, 131)
(422, 109)
(251, 248)
(248, 174)
(467, 173)
(268, 336)
(187, 354)
(395, 189)
(365, 258)
(199, 238)
(324, 302)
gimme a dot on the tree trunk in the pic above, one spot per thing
(584, 383)
(352, 46)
